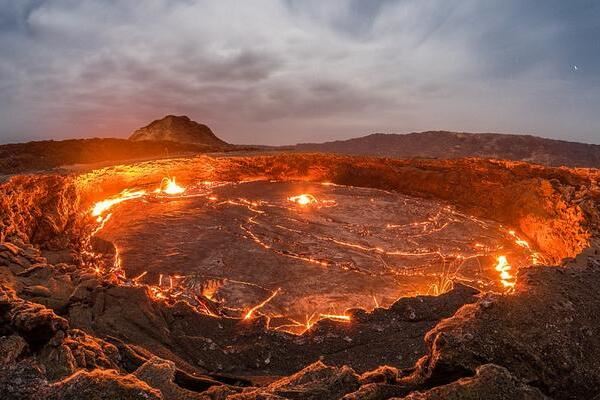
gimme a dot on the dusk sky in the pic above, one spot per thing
(282, 72)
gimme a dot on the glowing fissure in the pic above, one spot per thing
(168, 186)
(336, 317)
(259, 242)
(102, 206)
(506, 278)
(252, 310)
(536, 257)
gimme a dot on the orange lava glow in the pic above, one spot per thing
(335, 317)
(170, 187)
(172, 288)
(167, 186)
(300, 328)
(140, 276)
(251, 311)
(507, 279)
(535, 256)
(102, 206)
(303, 199)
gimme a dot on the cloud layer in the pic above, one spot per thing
(279, 72)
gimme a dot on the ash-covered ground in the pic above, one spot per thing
(240, 243)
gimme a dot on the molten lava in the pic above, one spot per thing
(507, 279)
(167, 186)
(170, 187)
(366, 247)
(336, 317)
(261, 305)
(535, 256)
(304, 199)
(102, 206)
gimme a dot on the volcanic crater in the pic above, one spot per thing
(249, 268)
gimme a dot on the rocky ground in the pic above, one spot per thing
(67, 332)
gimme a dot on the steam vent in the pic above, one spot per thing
(299, 276)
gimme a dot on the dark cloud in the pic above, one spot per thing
(14, 14)
(289, 70)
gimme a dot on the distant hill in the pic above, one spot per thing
(442, 144)
(178, 129)
(171, 135)
(19, 157)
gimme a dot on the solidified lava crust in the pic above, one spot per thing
(71, 326)
(237, 243)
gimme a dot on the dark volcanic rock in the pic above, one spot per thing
(177, 129)
(46, 154)
(41, 358)
(315, 382)
(38, 211)
(23, 380)
(102, 385)
(491, 383)
(33, 328)
(546, 334)
(442, 144)
(386, 336)
(160, 374)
